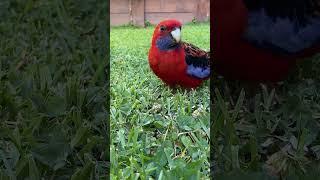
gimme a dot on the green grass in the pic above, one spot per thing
(156, 132)
(53, 89)
(275, 133)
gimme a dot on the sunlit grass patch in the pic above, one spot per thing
(156, 132)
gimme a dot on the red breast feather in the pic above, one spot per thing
(171, 67)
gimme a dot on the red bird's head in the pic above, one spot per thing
(167, 35)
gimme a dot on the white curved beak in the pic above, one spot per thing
(176, 34)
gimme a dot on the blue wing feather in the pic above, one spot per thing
(199, 72)
(198, 61)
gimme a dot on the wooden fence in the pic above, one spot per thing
(138, 12)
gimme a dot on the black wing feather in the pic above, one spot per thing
(198, 61)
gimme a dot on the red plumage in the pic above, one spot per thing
(168, 57)
(237, 58)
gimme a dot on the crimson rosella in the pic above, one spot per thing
(175, 62)
(260, 40)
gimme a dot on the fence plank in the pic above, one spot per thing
(186, 5)
(117, 19)
(168, 6)
(155, 18)
(119, 6)
(138, 12)
(203, 10)
(153, 6)
(157, 10)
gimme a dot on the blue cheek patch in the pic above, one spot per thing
(166, 43)
(282, 34)
(199, 72)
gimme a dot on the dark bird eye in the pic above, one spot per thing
(162, 28)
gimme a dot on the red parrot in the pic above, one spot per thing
(175, 62)
(260, 40)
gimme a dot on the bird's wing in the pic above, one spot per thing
(284, 26)
(198, 61)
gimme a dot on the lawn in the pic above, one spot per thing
(156, 132)
(53, 89)
(273, 133)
